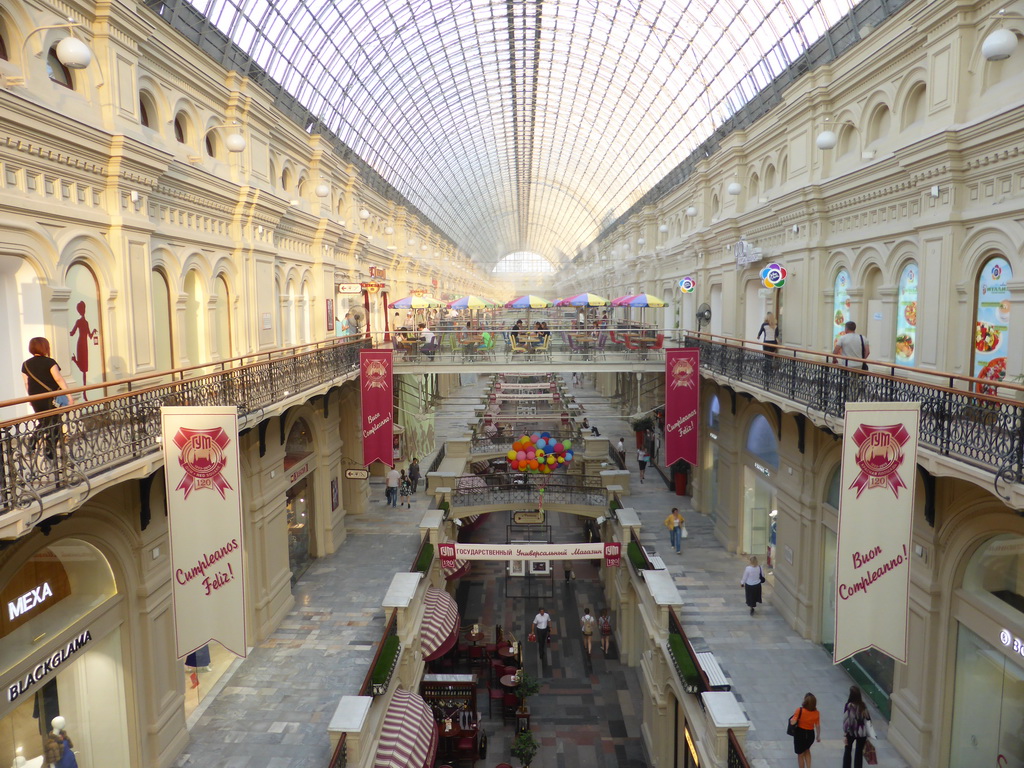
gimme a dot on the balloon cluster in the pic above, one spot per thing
(539, 453)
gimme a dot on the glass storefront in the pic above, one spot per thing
(988, 705)
(906, 316)
(60, 655)
(872, 670)
(759, 508)
(714, 412)
(840, 304)
(298, 463)
(299, 507)
(202, 670)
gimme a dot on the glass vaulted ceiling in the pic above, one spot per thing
(523, 125)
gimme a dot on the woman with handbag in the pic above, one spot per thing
(41, 375)
(856, 723)
(805, 728)
(753, 578)
(676, 525)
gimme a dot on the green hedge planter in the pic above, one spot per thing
(636, 557)
(385, 666)
(426, 558)
(685, 665)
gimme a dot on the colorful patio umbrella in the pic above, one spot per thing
(528, 302)
(638, 300)
(417, 302)
(584, 300)
(471, 302)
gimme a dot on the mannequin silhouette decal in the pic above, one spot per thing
(80, 357)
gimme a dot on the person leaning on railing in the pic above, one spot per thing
(41, 375)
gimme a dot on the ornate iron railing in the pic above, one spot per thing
(65, 448)
(528, 496)
(736, 758)
(437, 460)
(976, 427)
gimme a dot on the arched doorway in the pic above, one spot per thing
(299, 463)
(761, 463)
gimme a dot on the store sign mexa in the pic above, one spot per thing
(48, 665)
(29, 600)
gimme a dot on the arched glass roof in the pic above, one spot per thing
(521, 125)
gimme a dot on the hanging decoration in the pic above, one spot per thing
(774, 276)
(688, 284)
(539, 453)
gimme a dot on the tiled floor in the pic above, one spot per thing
(273, 710)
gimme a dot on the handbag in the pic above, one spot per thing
(531, 638)
(61, 401)
(761, 570)
(791, 724)
(863, 366)
(870, 755)
(683, 533)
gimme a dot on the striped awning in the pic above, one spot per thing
(408, 735)
(457, 571)
(440, 627)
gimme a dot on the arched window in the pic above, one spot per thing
(761, 441)
(996, 574)
(878, 129)
(222, 318)
(832, 491)
(286, 180)
(990, 340)
(180, 128)
(906, 316)
(148, 115)
(714, 413)
(914, 108)
(769, 177)
(56, 71)
(840, 304)
(195, 318)
(162, 327)
(3, 45)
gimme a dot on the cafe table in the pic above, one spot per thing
(475, 637)
(509, 681)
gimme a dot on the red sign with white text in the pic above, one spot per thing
(377, 388)
(682, 405)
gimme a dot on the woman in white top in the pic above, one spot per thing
(751, 583)
(587, 627)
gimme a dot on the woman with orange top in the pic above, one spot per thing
(807, 720)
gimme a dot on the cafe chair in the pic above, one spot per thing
(499, 765)
(476, 656)
(545, 347)
(517, 348)
(509, 706)
(494, 695)
(497, 668)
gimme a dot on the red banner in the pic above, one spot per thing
(446, 551)
(376, 382)
(612, 554)
(682, 405)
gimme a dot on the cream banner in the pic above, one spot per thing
(204, 516)
(529, 551)
(876, 509)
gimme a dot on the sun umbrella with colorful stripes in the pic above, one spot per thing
(584, 300)
(638, 300)
(529, 302)
(417, 302)
(471, 302)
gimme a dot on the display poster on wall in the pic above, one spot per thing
(906, 316)
(330, 314)
(376, 367)
(992, 321)
(840, 305)
(682, 405)
(876, 507)
(204, 519)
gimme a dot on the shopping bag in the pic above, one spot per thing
(531, 637)
(870, 755)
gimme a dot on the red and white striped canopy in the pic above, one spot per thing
(408, 736)
(457, 571)
(440, 627)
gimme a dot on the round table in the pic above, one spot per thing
(509, 681)
(475, 637)
(506, 651)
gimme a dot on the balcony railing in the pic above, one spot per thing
(528, 495)
(972, 420)
(64, 448)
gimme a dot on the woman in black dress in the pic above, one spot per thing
(41, 375)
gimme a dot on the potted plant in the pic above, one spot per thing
(640, 425)
(525, 748)
(528, 686)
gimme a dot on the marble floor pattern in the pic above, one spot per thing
(272, 710)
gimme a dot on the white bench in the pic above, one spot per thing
(716, 677)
